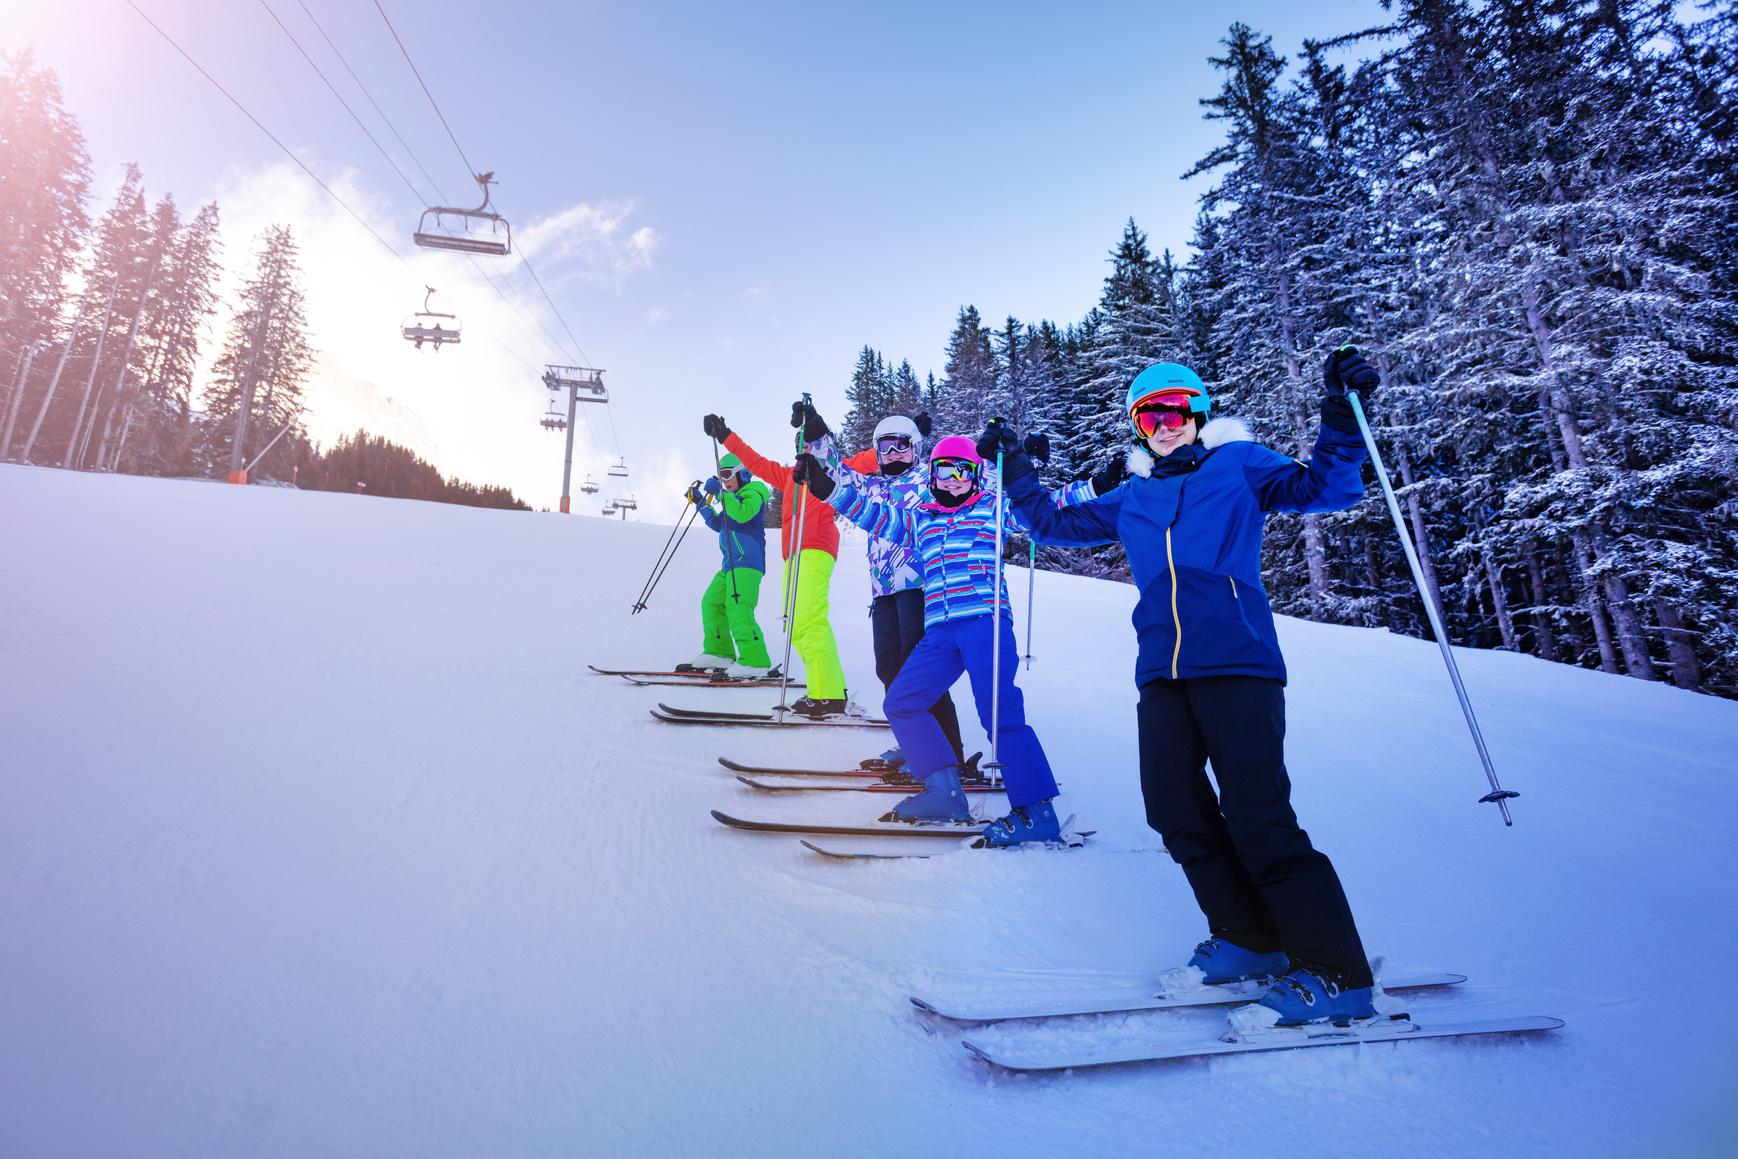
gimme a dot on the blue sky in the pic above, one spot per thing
(726, 202)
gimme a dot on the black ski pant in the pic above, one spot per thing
(1254, 873)
(897, 621)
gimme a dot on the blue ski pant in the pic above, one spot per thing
(897, 619)
(946, 650)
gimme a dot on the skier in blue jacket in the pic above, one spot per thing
(1212, 679)
(953, 533)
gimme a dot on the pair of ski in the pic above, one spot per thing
(707, 679)
(774, 719)
(1079, 994)
(841, 780)
(893, 839)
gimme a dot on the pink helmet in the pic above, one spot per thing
(957, 447)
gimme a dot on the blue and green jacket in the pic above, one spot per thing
(741, 525)
(1191, 524)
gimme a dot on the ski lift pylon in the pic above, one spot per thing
(466, 231)
(619, 468)
(425, 325)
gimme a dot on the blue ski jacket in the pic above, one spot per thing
(1192, 528)
(741, 526)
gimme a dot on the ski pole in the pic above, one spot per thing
(1498, 795)
(667, 554)
(796, 572)
(996, 640)
(1031, 574)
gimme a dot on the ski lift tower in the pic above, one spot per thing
(582, 384)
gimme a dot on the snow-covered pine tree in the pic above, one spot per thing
(969, 379)
(44, 181)
(256, 384)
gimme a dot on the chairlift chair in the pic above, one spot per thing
(425, 325)
(554, 420)
(588, 486)
(619, 468)
(466, 231)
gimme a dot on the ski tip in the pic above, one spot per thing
(979, 1052)
(723, 818)
(922, 1005)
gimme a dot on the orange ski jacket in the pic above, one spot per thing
(820, 532)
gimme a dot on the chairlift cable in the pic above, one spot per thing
(582, 354)
(407, 149)
(344, 205)
(416, 193)
(425, 92)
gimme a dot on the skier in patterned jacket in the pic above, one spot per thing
(1212, 680)
(885, 472)
(953, 534)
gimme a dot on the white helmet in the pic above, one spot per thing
(898, 425)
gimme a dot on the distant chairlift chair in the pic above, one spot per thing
(466, 231)
(424, 326)
(588, 486)
(619, 468)
(554, 420)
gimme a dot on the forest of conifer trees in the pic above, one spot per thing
(1524, 214)
(104, 324)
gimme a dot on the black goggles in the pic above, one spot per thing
(726, 474)
(887, 444)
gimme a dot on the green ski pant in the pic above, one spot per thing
(727, 612)
(811, 633)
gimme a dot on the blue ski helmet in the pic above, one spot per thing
(1168, 378)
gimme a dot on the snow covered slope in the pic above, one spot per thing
(317, 838)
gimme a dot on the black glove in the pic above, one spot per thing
(1113, 475)
(714, 426)
(797, 413)
(998, 436)
(1337, 414)
(1037, 447)
(923, 423)
(814, 426)
(810, 473)
(1346, 370)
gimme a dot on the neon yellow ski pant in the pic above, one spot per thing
(811, 634)
(727, 615)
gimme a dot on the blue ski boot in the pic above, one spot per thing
(1222, 962)
(1025, 825)
(1305, 996)
(942, 799)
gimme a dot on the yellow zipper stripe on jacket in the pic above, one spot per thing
(1170, 561)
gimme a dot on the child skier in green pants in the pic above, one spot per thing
(734, 643)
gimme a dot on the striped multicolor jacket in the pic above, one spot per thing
(955, 549)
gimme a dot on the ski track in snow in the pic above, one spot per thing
(317, 837)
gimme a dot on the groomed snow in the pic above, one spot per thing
(317, 838)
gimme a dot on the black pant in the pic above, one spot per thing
(1254, 873)
(897, 621)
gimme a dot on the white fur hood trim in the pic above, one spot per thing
(1216, 433)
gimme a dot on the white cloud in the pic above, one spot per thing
(594, 237)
